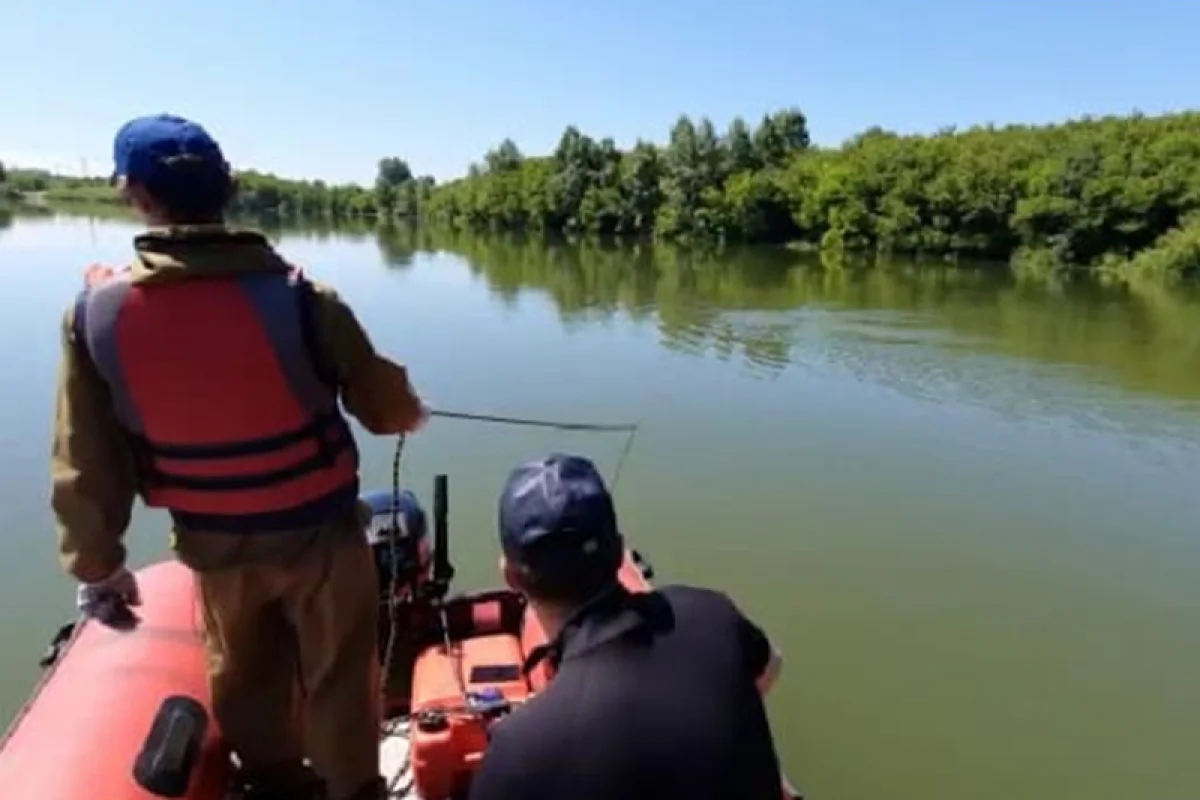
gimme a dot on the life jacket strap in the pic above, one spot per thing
(329, 433)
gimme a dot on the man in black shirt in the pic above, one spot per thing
(655, 696)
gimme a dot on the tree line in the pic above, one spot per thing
(259, 194)
(1114, 192)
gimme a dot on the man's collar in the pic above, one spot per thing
(196, 234)
(165, 254)
(610, 615)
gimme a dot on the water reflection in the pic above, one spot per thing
(921, 328)
(315, 230)
(759, 304)
(690, 297)
(397, 245)
(10, 212)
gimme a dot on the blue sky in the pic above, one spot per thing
(324, 89)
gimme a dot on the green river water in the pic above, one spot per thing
(966, 507)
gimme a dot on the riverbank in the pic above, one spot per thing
(1115, 196)
(258, 194)
(1106, 194)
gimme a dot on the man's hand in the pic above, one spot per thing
(422, 417)
(98, 273)
(424, 412)
(108, 601)
(770, 674)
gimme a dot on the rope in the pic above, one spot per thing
(537, 423)
(394, 576)
(621, 459)
(394, 788)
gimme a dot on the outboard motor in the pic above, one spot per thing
(398, 533)
(399, 539)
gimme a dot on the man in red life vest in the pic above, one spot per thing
(205, 378)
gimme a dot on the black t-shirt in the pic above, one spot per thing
(654, 697)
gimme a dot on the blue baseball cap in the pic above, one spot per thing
(150, 149)
(556, 512)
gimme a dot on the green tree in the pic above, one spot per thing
(739, 144)
(392, 193)
(780, 135)
(693, 170)
(641, 179)
(504, 158)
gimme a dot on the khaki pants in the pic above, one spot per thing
(295, 634)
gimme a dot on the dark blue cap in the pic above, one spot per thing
(149, 150)
(556, 511)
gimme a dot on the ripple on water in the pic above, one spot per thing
(903, 352)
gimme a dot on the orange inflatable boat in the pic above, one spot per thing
(109, 695)
(124, 714)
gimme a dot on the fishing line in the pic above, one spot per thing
(539, 423)
(630, 428)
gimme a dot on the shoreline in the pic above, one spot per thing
(1028, 265)
(1116, 196)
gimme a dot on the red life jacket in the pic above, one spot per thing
(216, 383)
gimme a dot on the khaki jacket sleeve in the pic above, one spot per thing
(375, 389)
(93, 484)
